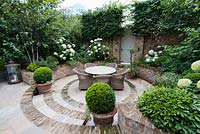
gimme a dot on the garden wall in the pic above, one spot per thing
(148, 73)
(151, 42)
(131, 120)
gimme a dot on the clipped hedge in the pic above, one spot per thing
(100, 98)
(103, 22)
(42, 75)
(171, 109)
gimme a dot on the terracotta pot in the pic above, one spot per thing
(43, 88)
(130, 75)
(104, 119)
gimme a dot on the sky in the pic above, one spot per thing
(84, 5)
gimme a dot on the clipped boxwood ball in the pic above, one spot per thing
(100, 98)
(42, 75)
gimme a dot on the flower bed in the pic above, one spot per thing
(148, 73)
(59, 73)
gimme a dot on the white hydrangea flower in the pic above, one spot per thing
(64, 46)
(107, 52)
(64, 52)
(146, 56)
(73, 45)
(154, 58)
(104, 46)
(158, 46)
(96, 50)
(95, 39)
(71, 54)
(99, 45)
(184, 83)
(198, 84)
(95, 47)
(60, 40)
(147, 60)
(64, 58)
(91, 41)
(159, 52)
(99, 48)
(72, 50)
(69, 46)
(61, 55)
(151, 52)
(196, 66)
(89, 54)
(88, 51)
(55, 53)
(71, 58)
(155, 53)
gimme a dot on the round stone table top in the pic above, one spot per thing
(100, 70)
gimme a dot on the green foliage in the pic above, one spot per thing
(154, 17)
(133, 68)
(161, 59)
(83, 56)
(32, 67)
(52, 60)
(171, 109)
(167, 79)
(2, 63)
(44, 63)
(103, 22)
(194, 77)
(42, 75)
(100, 98)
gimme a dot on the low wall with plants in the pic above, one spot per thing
(148, 73)
(59, 73)
(132, 121)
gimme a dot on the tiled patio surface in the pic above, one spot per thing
(60, 111)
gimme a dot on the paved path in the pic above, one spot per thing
(59, 111)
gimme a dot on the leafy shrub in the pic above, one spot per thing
(161, 59)
(52, 60)
(2, 63)
(83, 56)
(100, 98)
(171, 109)
(42, 75)
(44, 63)
(167, 79)
(194, 77)
(32, 67)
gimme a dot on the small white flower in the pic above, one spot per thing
(158, 46)
(88, 51)
(146, 56)
(184, 83)
(55, 53)
(159, 52)
(95, 47)
(99, 45)
(107, 52)
(71, 54)
(96, 50)
(104, 46)
(89, 54)
(61, 55)
(64, 52)
(71, 58)
(95, 39)
(73, 45)
(60, 40)
(69, 46)
(99, 48)
(155, 53)
(147, 60)
(151, 52)
(64, 46)
(91, 41)
(64, 58)
(89, 46)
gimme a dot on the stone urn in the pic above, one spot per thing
(104, 119)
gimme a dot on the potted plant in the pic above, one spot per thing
(43, 77)
(100, 99)
(133, 70)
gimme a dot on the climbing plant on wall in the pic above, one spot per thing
(103, 22)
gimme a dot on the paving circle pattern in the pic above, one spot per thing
(63, 110)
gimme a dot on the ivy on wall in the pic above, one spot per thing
(103, 22)
(164, 16)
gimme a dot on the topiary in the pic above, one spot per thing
(32, 67)
(172, 109)
(100, 98)
(194, 77)
(42, 75)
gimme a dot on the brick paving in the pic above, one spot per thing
(58, 112)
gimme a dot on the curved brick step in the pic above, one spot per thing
(56, 127)
(61, 109)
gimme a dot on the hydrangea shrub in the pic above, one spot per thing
(65, 51)
(98, 50)
(184, 83)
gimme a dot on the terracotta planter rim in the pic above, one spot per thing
(106, 115)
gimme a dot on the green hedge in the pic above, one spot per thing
(42, 75)
(103, 22)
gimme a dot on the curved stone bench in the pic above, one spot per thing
(131, 120)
